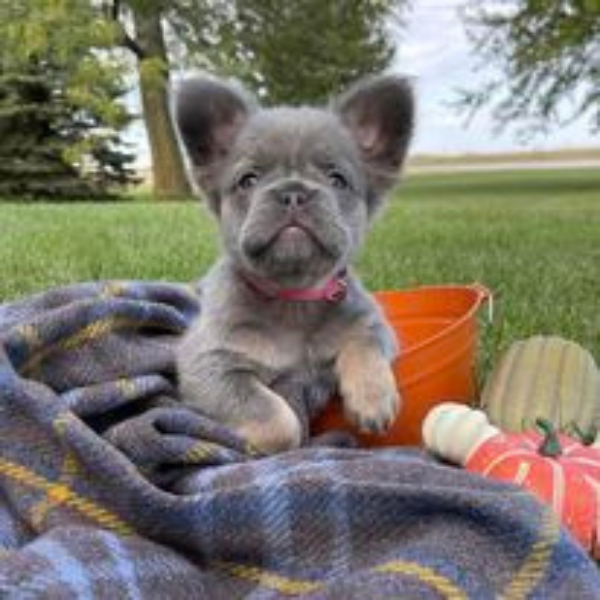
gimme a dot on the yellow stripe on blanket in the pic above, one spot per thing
(279, 583)
(61, 495)
(534, 567)
(293, 587)
(89, 333)
(127, 387)
(426, 575)
(200, 452)
(69, 469)
(114, 289)
(30, 335)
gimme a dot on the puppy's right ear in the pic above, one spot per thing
(210, 114)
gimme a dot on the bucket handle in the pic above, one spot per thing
(484, 295)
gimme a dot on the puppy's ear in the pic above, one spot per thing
(210, 114)
(379, 112)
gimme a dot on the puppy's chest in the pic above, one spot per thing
(281, 349)
(300, 366)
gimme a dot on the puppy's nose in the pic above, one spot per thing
(294, 196)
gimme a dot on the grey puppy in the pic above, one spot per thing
(285, 324)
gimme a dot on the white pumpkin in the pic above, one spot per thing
(453, 431)
(544, 377)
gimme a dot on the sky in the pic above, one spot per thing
(434, 52)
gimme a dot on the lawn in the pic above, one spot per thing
(532, 237)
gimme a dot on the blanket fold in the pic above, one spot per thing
(111, 488)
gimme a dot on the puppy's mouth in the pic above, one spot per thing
(293, 233)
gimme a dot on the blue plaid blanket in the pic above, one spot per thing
(109, 488)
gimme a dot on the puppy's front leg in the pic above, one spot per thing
(271, 425)
(367, 385)
(225, 387)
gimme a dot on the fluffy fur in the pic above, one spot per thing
(294, 191)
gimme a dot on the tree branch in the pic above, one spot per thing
(127, 41)
(130, 43)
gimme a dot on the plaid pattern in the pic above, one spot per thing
(111, 489)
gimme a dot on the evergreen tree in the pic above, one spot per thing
(31, 160)
(60, 114)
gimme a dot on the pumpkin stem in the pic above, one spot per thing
(550, 445)
(587, 439)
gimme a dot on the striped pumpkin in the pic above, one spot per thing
(546, 377)
(560, 471)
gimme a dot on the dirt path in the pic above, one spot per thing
(465, 167)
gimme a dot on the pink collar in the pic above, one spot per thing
(333, 291)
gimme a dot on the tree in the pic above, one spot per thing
(298, 51)
(40, 143)
(60, 114)
(548, 59)
(141, 25)
(303, 51)
(32, 164)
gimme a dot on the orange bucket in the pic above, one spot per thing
(437, 331)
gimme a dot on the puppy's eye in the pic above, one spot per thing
(338, 180)
(247, 180)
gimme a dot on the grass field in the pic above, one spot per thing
(532, 237)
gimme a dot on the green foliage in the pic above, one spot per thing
(298, 52)
(60, 109)
(31, 161)
(548, 60)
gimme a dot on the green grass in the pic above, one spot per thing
(532, 237)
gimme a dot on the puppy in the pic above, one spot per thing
(285, 324)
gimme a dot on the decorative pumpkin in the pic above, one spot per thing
(559, 470)
(548, 377)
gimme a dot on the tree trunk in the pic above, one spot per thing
(168, 167)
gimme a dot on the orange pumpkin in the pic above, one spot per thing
(559, 470)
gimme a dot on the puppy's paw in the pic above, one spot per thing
(279, 431)
(370, 396)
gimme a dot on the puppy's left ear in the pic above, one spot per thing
(379, 112)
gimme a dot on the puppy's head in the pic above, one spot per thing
(294, 189)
